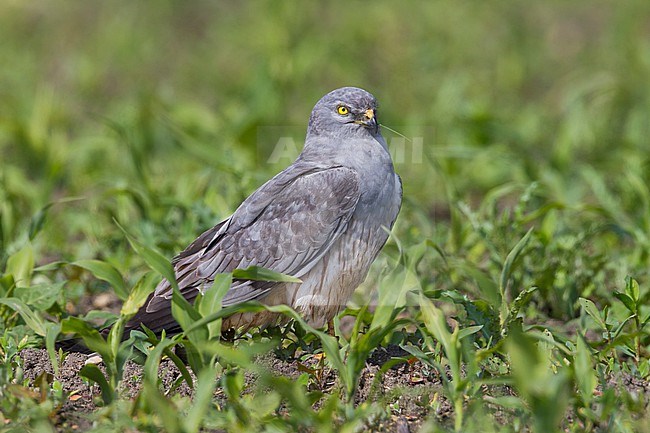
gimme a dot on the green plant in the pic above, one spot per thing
(542, 125)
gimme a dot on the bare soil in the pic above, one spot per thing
(406, 387)
(413, 392)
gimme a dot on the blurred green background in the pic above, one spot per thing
(156, 114)
(526, 199)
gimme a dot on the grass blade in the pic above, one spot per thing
(258, 273)
(106, 272)
(92, 372)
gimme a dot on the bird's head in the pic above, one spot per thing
(348, 112)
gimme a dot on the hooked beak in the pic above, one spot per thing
(367, 119)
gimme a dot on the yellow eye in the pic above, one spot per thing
(342, 110)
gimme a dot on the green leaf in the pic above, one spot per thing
(211, 301)
(40, 296)
(644, 322)
(266, 404)
(52, 266)
(548, 226)
(153, 258)
(619, 329)
(106, 272)
(38, 220)
(632, 289)
(258, 273)
(395, 286)
(520, 301)
(527, 362)
(584, 372)
(180, 364)
(36, 224)
(184, 313)
(205, 385)
(391, 297)
(21, 265)
(434, 321)
(479, 311)
(139, 294)
(31, 318)
(591, 309)
(359, 350)
(91, 337)
(53, 331)
(195, 358)
(115, 337)
(7, 285)
(507, 271)
(162, 406)
(153, 360)
(489, 288)
(92, 372)
(169, 344)
(244, 307)
(469, 331)
(233, 383)
(626, 300)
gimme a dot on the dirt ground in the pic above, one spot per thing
(414, 392)
(406, 386)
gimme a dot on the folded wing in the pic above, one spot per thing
(287, 225)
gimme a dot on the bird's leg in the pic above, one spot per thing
(330, 327)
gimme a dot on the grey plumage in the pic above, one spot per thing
(323, 219)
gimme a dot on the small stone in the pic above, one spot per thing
(93, 359)
(102, 300)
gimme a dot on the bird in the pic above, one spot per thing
(323, 219)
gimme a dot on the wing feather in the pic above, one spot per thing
(286, 225)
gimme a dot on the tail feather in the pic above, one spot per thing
(77, 344)
(72, 345)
